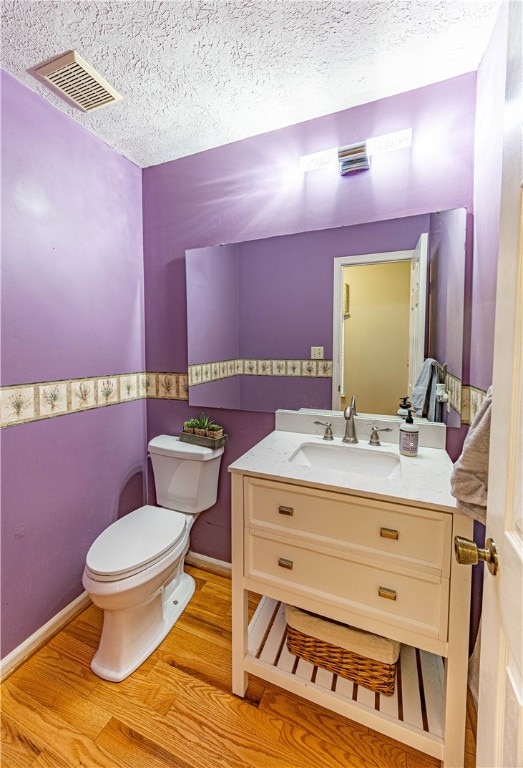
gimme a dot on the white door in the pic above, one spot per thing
(418, 309)
(500, 715)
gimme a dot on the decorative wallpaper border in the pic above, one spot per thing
(223, 369)
(465, 399)
(454, 389)
(44, 400)
(472, 398)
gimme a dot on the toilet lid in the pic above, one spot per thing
(135, 541)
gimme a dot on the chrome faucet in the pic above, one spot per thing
(350, 427)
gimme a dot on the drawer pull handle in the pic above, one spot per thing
(389, 594)
(286, 511)
(389, 533)
(283, 563)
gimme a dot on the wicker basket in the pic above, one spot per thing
(376, 675)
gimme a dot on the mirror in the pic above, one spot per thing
(255, 309)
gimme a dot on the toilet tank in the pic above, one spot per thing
(185, 475)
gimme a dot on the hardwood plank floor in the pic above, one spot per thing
(176, 710)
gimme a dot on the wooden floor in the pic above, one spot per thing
(176, 710)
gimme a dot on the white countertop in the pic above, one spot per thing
(425, 479)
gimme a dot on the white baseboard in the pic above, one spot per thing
(208, 563)
(20, 654)
(26, 649)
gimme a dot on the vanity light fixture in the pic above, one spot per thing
(356, 157)
(323, 159)
(389, 142)
(353, 157)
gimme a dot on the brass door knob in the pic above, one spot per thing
(468, 553)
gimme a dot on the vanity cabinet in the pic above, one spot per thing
(377, 564)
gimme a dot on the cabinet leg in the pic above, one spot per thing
(240, 681)
(457, 661)
(240, 618)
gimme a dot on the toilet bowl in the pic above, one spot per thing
(134, 569)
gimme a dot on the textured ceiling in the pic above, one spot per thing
(196, 74)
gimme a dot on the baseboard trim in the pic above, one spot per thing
(21, 653)
(208, 564)
(13, 660)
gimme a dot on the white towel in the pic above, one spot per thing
(343, 636)
(469, 479)
(424, 391)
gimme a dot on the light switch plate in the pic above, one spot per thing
(316, 353)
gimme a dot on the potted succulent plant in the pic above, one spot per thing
(202, 425)
(189, 425)
(214, 431)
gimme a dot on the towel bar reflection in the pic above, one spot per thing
(442, 371)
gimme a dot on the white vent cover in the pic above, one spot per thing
(78, 81)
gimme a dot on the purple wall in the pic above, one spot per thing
(72, 285)
(72, 305)
(447, 270)
(447, 273)
(222, 393)
(63, 481)
(250, 189)
(285, 283)
(268, 393)
(212, 291)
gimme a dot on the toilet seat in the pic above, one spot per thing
(135, 542)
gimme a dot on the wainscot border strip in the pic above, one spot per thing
(454, 389)
(23, 403)
(223, 369)
(472, 398)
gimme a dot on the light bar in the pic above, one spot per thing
(353, 157)
(389, 142)
(323, 159)
(356, 156)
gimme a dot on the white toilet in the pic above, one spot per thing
(134, 569)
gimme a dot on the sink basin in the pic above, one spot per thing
(348, 458)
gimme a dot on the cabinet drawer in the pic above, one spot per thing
(417, 602)
(419, 536)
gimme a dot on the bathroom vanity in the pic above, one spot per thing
(364, 536)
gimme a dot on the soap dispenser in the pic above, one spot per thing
(409, 433)
(403, 410)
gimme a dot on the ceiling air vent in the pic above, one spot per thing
(79, 82)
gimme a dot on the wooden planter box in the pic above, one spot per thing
(206, 442)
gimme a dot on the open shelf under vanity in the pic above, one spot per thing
(418, 702)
